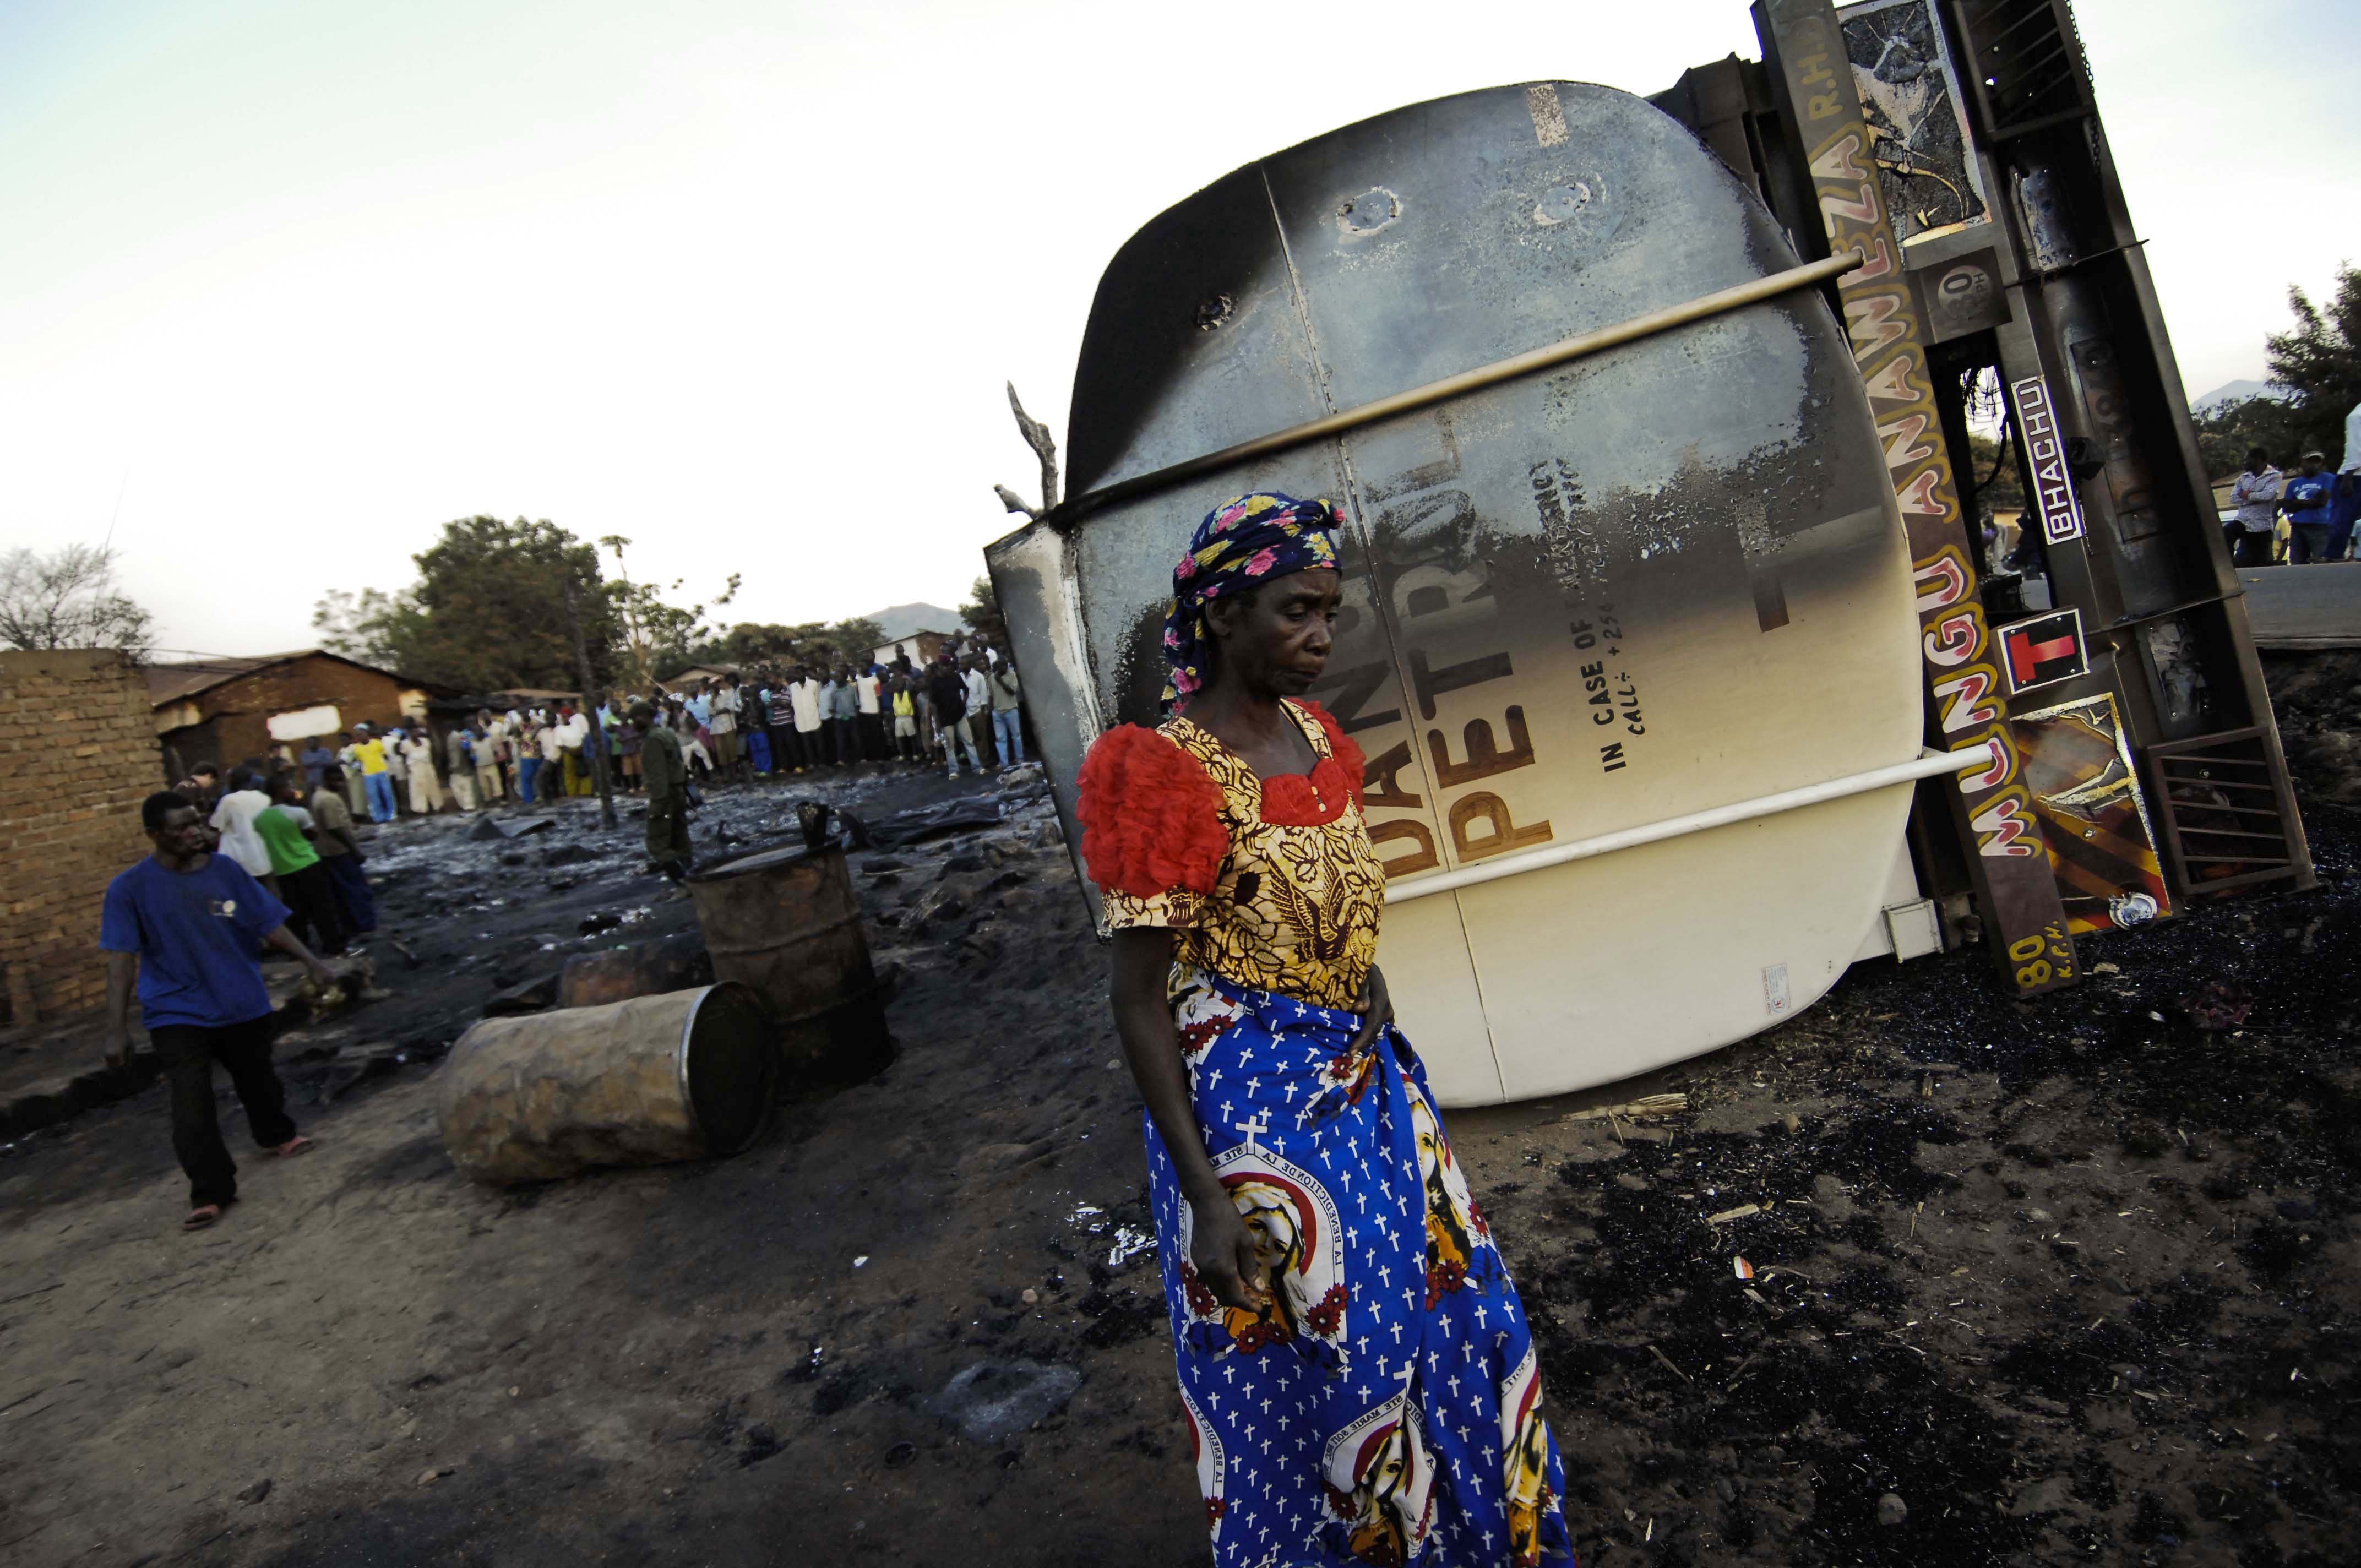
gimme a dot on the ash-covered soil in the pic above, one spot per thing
(2068, 1281)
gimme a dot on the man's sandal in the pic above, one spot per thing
(297, 1144)
(202, 1216)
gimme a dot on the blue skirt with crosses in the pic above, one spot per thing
(1386, 1407)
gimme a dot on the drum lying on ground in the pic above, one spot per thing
(683, 1075)
(1661, 580)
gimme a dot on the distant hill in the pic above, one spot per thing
(899, 621)
(2231, 393)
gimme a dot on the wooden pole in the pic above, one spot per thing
(591, 700)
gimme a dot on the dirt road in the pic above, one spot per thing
(2066, 1281)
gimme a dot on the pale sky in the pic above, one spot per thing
(299, 280)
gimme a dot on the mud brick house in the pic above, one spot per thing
(229, 711)
(77, 755)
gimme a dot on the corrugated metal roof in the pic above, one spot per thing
(177, 683)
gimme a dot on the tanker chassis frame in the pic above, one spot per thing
(1958, 144)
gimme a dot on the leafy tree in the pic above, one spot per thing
(2320, 363)
(658, 636)
(487, 612)
(2277, 426)
(493, 606)
(821, 644)
(68, 600)
(364, 627)
(1997, 485)
(859, 637)
(983, 611)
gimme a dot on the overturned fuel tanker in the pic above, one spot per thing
(1673, 658)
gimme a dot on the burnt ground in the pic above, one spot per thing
(2070, 1281)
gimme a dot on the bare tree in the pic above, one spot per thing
(68, 600)
(1036, 436)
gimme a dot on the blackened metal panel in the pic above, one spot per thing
(2027, 64)
(1033, 579)
(1194, 341)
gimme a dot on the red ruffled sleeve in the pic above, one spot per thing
(1151, 818)
(1320, 796)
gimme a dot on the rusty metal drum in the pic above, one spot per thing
(686, 1075)
(786, 923)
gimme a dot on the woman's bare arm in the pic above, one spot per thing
(1222, 1246)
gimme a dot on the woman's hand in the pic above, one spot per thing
(1377, 1010)
(1223, 1248)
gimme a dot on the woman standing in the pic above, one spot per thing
(1356, 1368)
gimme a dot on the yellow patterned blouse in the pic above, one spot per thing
(1272, 883)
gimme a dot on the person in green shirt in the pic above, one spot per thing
(305, 884)
(665, 771)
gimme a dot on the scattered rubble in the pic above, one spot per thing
(1924, 1276)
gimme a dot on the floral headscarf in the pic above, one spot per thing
(1240, 544)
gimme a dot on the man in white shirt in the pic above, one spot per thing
(2255, 494)
(234, 820)
(425, 783)
(871, 715)
(803, 695)
(546, 781)
(721, 723)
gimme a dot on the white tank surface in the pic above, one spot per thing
(1630, 639)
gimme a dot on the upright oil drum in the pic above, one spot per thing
(683, 1075)
(785, 922)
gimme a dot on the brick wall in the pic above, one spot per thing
(78, 754)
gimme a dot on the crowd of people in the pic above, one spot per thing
(965, 703)
(292, 824)
(963, 706)
(2301, 519)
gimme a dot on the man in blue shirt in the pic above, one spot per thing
(2307, 500)
(187, 921)
(314, 759)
